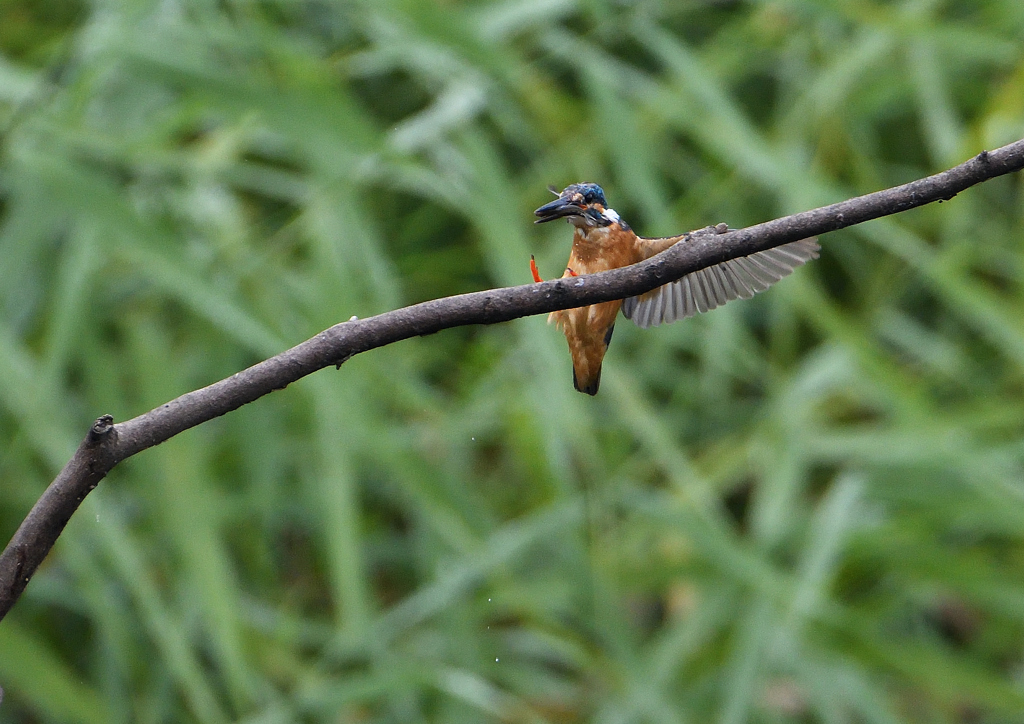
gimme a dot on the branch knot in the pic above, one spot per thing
(102, 431)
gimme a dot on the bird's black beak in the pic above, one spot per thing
(557, 209)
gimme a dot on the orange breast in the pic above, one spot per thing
(603, 249)
(588, 329)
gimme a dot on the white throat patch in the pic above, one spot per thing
(611, 215)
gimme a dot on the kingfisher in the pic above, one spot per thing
(601, 241)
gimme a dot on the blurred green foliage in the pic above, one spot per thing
(804, 508)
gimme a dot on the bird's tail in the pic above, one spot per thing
(586, 364)
(588, 384)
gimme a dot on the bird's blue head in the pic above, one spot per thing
(591, 193)
(583, 204)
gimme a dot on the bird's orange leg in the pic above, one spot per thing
(571, 272)
(533, 270)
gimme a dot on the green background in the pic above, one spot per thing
(808, 507)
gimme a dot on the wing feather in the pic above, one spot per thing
(725, 281)
(700, 293)
(757, 274)
(712, 287)
(672, 307)
(706, 301)
(743, 271)
(716, 286)
(689, 306)
(771, 269)
(742, 288)
(706, 297)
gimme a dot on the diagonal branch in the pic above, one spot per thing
(108, 444)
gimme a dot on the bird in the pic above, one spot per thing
(602, 240)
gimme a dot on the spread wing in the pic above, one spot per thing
(714, 286)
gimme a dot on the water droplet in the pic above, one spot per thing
(495, 661)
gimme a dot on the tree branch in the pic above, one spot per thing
(108, 444)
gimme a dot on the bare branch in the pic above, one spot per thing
(107, 444)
